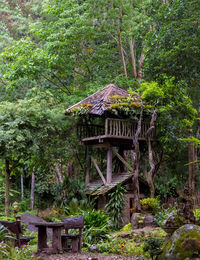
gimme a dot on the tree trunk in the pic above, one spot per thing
(135, 162)
(32, 189)
(153, 167)
(59, 172)
(8, 171)
(133, 60)
(191, 168)
(140, 66)
(22, 187)
(120, 45)
(7, 188)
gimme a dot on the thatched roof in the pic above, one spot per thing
(100, 101)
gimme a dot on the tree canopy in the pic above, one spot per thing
(54, 53)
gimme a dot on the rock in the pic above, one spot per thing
(149, 221)
(127, 235)
(183, 244)
(172, 223)
(27, 218)
(137, 221)
(93, 248)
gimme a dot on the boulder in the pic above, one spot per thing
(27, 218)
(149, 221)
(183, 244)
(137, 220)
(172, 223)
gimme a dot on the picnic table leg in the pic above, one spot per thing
(74, 244)
(42, 238)
(56, 240)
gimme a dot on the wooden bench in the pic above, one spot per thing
(72, 223)
(16, 228)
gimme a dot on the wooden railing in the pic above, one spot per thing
(125, 128)
(113, 127)
(84, 131)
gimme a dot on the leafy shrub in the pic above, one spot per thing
(24, 253)
(121, 247)
(115, 205)
(168, 187)
(70, 189)
(7, 218)
(161, 216)
(153, 204)
(5, 245)
(96, 226)
(153, 245)
(126, 228)
(24, 204)
(197, 213)
(75, 206)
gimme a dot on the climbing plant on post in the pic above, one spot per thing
(115, 205)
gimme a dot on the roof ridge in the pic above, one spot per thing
(99, 99)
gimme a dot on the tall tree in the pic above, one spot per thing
(26, 127)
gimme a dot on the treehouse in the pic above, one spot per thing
(108, 120)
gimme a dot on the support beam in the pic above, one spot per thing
(109, 166)
(98, 170)
(123, 161)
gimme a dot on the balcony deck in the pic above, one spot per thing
(115, 131)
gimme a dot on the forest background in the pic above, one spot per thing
(56, 52)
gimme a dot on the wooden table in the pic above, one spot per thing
(42, 236)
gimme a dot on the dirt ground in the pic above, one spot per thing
(77, 256)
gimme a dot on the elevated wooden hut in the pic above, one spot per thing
(103, 123)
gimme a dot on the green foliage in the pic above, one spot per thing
(3, 233)
(197, 213)
(153, 204)
(96, 226)
(151, 90)
(163, 214)
(167, 188)
(24, 204)
(5, 245)
(115, 205)
(126, 228)
(72, 190)
(71, 51)
(175, 34)
(175, 108)
(153, 246)
(8, 218)
(121, 247)
(24, 253)
(26, 124)
(13, 192)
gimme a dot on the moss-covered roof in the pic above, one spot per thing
(100, 101)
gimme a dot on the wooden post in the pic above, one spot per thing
(109, 166)
(42, 238)
(106, 127)
(56, 240)
(87, 177)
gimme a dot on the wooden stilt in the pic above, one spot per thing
(87, 177)
(109, 166)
